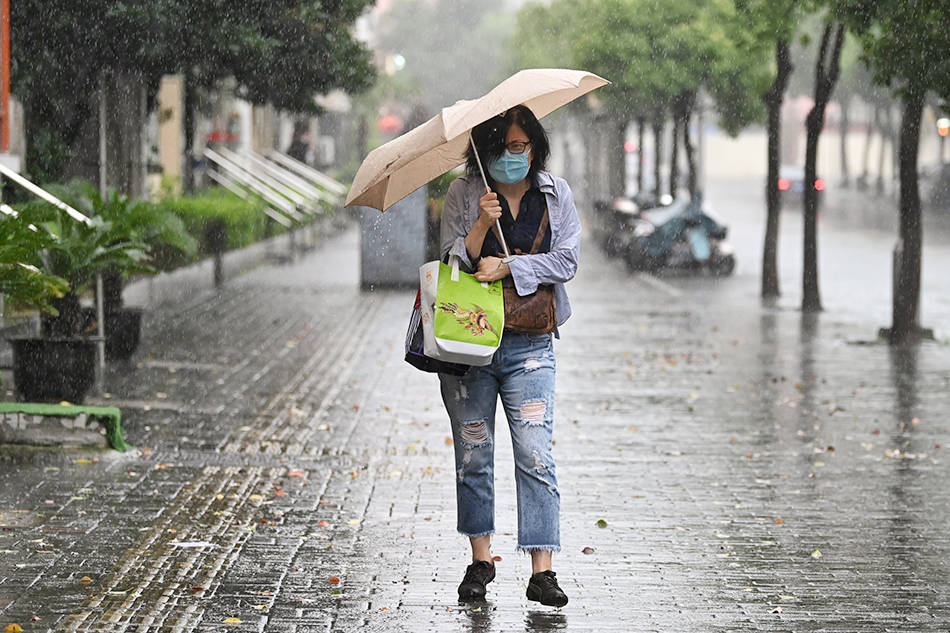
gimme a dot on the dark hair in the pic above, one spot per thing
(490, 136)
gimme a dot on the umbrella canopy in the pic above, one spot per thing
(394, 170)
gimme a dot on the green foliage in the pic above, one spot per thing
(653, 52)
(281, 51)
(904, 43)
(244, 221)
(22, 283)
(78, 251)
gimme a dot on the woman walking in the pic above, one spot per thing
(542, 230)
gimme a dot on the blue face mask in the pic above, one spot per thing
(510, 168)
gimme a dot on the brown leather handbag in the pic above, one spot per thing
(534, 313)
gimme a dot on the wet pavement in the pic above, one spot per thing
(724, 466)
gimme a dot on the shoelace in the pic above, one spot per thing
(477, 573)
(547, 580)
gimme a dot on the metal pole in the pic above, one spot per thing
(103, 155)
(481, 169)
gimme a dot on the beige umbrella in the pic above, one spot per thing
(394, 170)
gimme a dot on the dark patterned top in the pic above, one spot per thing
(519, 233)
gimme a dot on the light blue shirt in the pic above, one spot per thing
(528, 271)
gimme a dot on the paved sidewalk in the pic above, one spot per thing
(754, 470)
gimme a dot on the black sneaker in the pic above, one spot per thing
(543, 588)
(477, 575)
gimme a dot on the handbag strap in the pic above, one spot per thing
(542, 229)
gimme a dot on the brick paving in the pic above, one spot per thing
(755, 470)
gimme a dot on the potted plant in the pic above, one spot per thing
(24, 285)
(60, 364)
(153, 226)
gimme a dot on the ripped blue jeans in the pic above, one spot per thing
(522, 373)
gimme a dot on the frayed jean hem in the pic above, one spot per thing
(527, 549)
(478, 535)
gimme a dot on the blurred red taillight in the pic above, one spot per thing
(819, 185)
(783, 184)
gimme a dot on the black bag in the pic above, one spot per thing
(415, 344)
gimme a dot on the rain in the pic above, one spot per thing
(243, 389)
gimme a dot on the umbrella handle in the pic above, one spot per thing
(481, 170)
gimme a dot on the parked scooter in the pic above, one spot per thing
(681, 236)
(616, 223)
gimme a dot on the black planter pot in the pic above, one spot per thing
(51, 370)
(123, 330)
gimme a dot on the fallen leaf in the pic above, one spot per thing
(449, 441)
(82, 462)
(876, 432)
(496, 558)
(779, 521)
(297, 473)
(323, 523)
(146, 451)
(85, 580)
(197, 588)
(255, 497)
(334, 580)
(13, 628)
(587, 550)
(601, 523)
(356, 407)
(280, 492)
(816, 554)
(232, 620)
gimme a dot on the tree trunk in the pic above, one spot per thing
(845, 123)
(658, 125)
(906, 298)
(690, 154)
(616, 157)
(885, 136)
(641, 128)
(863, 179)
(191, 105)
(773, 102)
(826, 74)
(674, 155)
(814, 123)
(682, 106)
